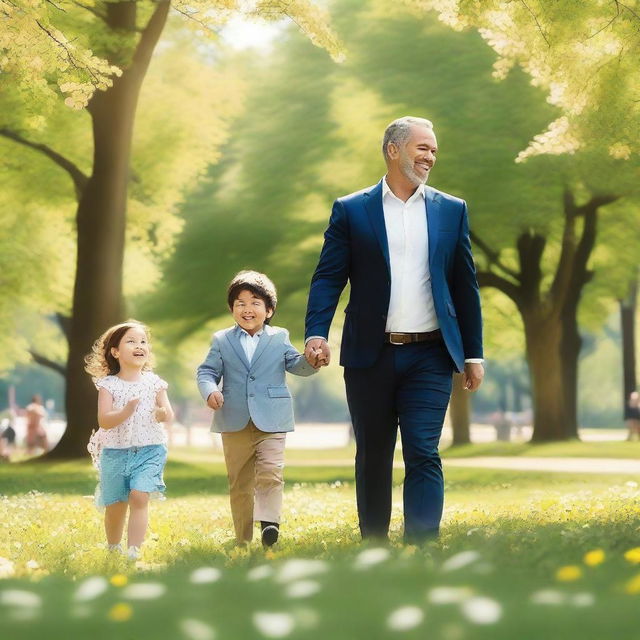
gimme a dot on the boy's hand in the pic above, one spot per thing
(215, 400)
(317, 353)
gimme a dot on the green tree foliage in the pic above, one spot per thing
(583, 54)
(96, 55)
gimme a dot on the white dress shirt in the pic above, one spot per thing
(249, 342)
(411, 307)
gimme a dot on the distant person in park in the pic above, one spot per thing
(129, 449)
(36, 433)
(7, 434)
(253, 409)
(632, 416)
(413, 318)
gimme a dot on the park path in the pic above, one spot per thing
(559, 465)
(563, 465)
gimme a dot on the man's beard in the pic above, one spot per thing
(406, 166)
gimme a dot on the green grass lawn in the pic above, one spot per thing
(492, 574)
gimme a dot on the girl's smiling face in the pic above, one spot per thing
(250, 311)
(133, 349)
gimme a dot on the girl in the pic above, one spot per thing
(129, 450)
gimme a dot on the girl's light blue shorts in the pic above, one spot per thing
(122, 470)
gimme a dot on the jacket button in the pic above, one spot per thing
(251, 395)
(252, 378)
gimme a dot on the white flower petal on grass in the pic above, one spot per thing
(20, 598)
(482, 610)
(449, 595)
(205, 575)
(370, 557)
(583, 599)
(273, 625)
(32, 564)
(548, 596)
(7, 568)
(405, 618)
(144, 591)
(460, 560)
(260, 573)
(296, 569)
(90, 589)
(302, 589)
(196, 629)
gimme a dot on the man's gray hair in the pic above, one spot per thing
(399, 130)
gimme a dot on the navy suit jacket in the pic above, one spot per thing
(356, 249)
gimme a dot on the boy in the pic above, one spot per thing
(254, 410)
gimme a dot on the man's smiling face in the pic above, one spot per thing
(418, 155)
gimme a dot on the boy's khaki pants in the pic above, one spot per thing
(255, 466)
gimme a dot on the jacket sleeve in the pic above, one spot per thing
(294, 361)
(210, 371)
(466, 293)
(330, 276)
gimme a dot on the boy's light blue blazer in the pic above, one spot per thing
(257, 390)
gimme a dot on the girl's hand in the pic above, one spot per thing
(132, 404)
(161, 414)
(215, 400)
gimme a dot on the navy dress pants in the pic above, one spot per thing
(410, 386)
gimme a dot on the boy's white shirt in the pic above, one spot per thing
(250, 342)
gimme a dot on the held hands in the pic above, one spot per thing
(317, 353)
(472, 376)
(215, 400)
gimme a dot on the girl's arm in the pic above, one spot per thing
(164, 412)
(108, 417)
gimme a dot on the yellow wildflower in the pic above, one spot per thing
(632, 587)
(119, 580)
(120, 612)
(633, 555)
(568, 573)
(594, 557)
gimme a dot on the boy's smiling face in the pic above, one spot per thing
(250, 311)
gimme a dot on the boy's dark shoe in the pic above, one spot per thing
(270, 533)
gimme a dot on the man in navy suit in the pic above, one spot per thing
(413, 319)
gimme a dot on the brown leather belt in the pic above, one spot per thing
(407, 338)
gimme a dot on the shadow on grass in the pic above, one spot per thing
(182, 478)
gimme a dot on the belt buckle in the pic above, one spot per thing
(391, 340)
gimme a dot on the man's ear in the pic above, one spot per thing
(392, 150)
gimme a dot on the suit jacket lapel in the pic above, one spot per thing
(233, 337)
(265, 338)
(373, 205)
(432, 205)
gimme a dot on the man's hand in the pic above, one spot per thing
(215, 400)
(317, 353)
(472, 376)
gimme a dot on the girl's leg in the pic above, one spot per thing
(114, 516)
(138, 517)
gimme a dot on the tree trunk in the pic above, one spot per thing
(101, 223)
(460, 412)
(628, 329)
(552, 410)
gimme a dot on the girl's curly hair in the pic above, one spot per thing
(100, 362)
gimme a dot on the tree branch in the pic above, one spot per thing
(493, 256)
(530, 249)
(45, 362)
(78, 177)
(490, 279)
(65, 324)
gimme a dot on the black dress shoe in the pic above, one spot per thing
(270, 532)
